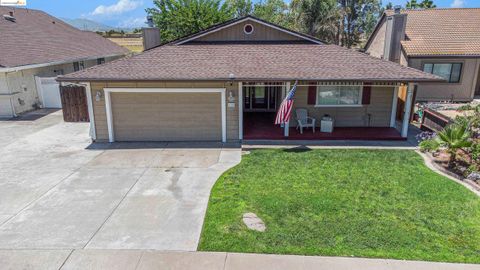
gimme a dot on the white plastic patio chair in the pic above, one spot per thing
(303, 120)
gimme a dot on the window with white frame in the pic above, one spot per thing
(339, 95)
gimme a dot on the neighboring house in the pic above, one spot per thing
(225, 84)
(35, 48)
(445, 42)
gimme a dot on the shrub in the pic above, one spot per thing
(467, 107)
(429, 145)
(425, 135)
(475, 150)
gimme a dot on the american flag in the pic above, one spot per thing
(285, 110)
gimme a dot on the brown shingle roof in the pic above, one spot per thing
(250, 62)
(451, 31)
(36, 38)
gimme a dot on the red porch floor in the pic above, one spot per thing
(259, 126)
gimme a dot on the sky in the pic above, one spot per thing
(131, 13)
(116, 13)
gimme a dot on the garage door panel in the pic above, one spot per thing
(166, 116)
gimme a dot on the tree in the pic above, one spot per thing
(240, 8)
(427, 4)
(455, 137)
(318, 18)
(358, 17)
(178, 18)
(413, 4)
(274, 11)
(389, 6)
(370, 14)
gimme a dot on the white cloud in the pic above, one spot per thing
(458, 4)
(120, 7)
(132, 22)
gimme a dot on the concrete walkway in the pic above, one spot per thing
(149, 260)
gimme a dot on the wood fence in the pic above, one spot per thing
(74, 103)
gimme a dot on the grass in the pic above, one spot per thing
(364, 203)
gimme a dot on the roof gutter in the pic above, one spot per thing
(405, 80)
(443, 56)
(18, 68)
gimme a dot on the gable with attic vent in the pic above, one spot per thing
(249, 30)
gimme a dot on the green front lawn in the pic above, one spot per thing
(366, 203)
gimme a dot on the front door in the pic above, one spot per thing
(261, 97)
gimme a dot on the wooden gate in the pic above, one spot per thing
(74, 103)
(433, 121)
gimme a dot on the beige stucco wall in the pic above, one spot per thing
(462, 91)
(377, 46)
(235, 32)
(22, 83)
(375, 114)
(100, 113)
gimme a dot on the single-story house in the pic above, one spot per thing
(225, 84)
(445, 42)
(35, 48)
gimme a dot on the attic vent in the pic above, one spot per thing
(248, 29)
(9, 17)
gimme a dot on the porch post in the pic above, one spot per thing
(393, 116)
(88, 90)
(240, 111)
(287, 124)
(408, 109)
(108, 109)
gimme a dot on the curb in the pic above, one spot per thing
(441, 171)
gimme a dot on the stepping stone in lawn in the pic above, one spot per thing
(253, 222)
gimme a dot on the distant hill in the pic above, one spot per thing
(89, 25)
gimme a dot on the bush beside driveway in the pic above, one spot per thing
(365, 203)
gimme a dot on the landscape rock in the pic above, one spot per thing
(253, 222)
(475, 176)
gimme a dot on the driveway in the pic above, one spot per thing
(58, 191)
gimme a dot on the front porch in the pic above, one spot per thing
(260, 126)
(361, 111)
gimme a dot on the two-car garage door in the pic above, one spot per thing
(166, 116)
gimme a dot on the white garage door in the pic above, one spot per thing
(167, 116)
(49, 92)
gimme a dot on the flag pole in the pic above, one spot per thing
(287, 124)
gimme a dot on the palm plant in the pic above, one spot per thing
(455, 137)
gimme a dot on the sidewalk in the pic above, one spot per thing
(91, 259)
